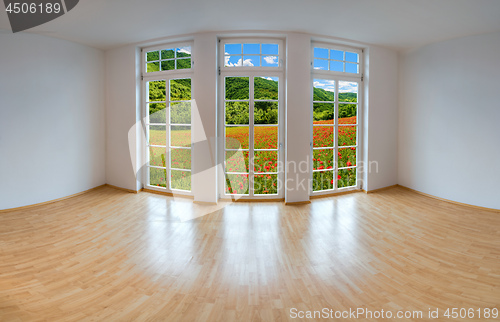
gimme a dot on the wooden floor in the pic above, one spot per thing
(109, 255)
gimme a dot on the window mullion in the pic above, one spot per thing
(251, 139)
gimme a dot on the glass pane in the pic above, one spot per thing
(157, 157)
(180, 113)
(237, 161)
(157, 113)
(180, 180)
(351, 68)
(157, 91)
(183, 52)
(153, 67)
(336, 66)
(158, 135)
(237, 113)
(232, 49)
(251, 60)
(347, 157)
(237, 88)
(266, 113)
(232, 61)
(336, 54)
(323, 159)
(346, 178)
(324, 90)
(352, 57)
(158, 177)
(168, 65)
(152, 55)
(265, 161)
(167, 54)
(322, 136)
(270, 49)
(265, 137)
(180, 136)
(266, 88)
(347, 135)
(180, 158)
(270, 61)
(265, 184)
(180, 89)
(323, 180)
(236, 137)
(184, 63)
(237, 184)
(251, 49)
(320, 52)
(348, 113)
(323, 113)
(348, 92)
(321, 64)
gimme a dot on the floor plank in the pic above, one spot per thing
(114, 256)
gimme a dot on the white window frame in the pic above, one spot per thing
(166, 76)
(339, 77)
(251, 71)
(243, 40)
(145, 50)
(327, 73)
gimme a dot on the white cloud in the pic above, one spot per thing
(348, 87)
(186, 50)
(246, 62)
(240, 62)
(271, 60)
(274, 79)
(228, 63)
(327, 85)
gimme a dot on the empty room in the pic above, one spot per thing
(274, 160)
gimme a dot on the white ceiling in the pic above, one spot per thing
(400, 24)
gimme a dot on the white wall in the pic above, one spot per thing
(380, 118)
(52, 140)
(298, 117)
(122, 113)
(449, 118)
(204, 174)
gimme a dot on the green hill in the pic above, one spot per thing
(180, 90)
(237, 88)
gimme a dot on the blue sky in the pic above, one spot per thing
(251, 54)
(330, 59)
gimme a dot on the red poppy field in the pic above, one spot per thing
(266, 162)
(265, 159)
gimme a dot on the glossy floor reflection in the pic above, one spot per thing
(110, 255)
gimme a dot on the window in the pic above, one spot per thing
(168, 59)
(335, 120)
(169, 133)
(336, 60)
(252, 113)
(168, 94)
